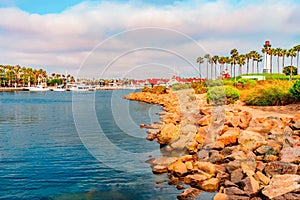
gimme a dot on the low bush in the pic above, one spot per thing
(271, 93)
(295, 91)
(180, 86)
(222, 95)
(199, 87)
(244, 83)
(214, 83)
(155, 89)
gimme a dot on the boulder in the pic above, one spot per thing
(259, 176)
(161, 164)
(251, 140)
(251, 186)
(234, 191)
(220, 196)
(281, 184)
(236, 175)
(210, 185)
(207, 167)
(168, 133)
(230, 136)
(178, 168)
(189, 194)
(290, 155)
(278, 167)
(195, 180)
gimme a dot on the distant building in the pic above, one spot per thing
(267, 58)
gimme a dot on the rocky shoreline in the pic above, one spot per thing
(224, 149)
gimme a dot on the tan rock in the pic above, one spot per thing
(290, 155)
(251, 186)
(236, 175)
(259, 176)
(168, 133)
(189, 165)
(207, 167)
(277, 167)
(161, 164)
(251, 140)
(194, 180)
(178, 168)
(230, 136)
(220, 196)
(210, 185)
(189, 194)
(205, 120)
(281, 184)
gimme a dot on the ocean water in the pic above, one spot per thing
(62, 145)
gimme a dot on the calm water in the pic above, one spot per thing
(44, 154)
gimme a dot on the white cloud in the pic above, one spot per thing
(63, 40)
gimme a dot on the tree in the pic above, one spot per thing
(287, 70)
(258, 59)
(278, 53)
(207, 57)
(248, 57)
(252, 55)
(234, 54)
(297, 49)
(215, 59)
(222, 60)
(241, 61)
(200, 60)
(291, 53)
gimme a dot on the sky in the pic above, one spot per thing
(138, 39)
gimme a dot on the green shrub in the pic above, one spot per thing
(222, 95)
(270, 94)
(295, 91)
(180, 86)
(214, 83)
(199, 87)
(228, 82)
(246, 83)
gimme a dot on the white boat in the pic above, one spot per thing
(38, 88)
(80, 88)
(60, 88)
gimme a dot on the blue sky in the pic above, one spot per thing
(113, 39)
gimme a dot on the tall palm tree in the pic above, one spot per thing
(252, 56)
(207, 57)
(248, 57)
(200, 60)
(278, 53)
(222, 60)
(297, 49)
(241, 61)
(284, 53)
(215, 59)
(234, 54)
(258, 59)
(291, 53)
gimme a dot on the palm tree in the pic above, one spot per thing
(291, 53)
(200, 60)
(222, 60)
(297, 49)
(284, 53)
(252, 56)
(241, 61)
(258, 58)
(215, 59)
(248, 57)
(278, 53)
(207, 57)
(234, 54)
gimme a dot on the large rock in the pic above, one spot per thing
(207, 167)
(277, 167)
(251, 140)
(210, 185)
(169, 132)
(234, 191)
(237, 175)
(259, 176)
(290, 154)
(251, 186)
(161, 164)
(281, 184)
(195, 180)
(230, 136)
(189, 194)
(178, 168)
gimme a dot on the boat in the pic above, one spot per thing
(60, 88)
(38, 88)
(80, 88)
